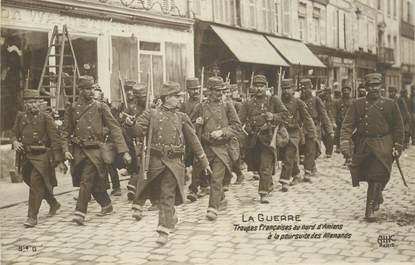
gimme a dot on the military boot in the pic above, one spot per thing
(162, 239)
(137, 212)
(192, 196)
(54, 207)
(30, 222)
(211, 214)
(106, 210)
(370, 203)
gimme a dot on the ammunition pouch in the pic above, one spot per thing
(167, 151)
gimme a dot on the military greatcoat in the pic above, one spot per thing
(374, 126)
(171, 132)
(39, 130)
(84, 128)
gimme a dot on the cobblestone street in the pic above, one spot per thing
(330, 199)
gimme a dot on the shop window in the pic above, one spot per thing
(176, 62)
(152, 65)
(22, 57)
(124, 62)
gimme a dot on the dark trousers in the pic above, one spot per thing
(37, 193)
(289, 163)
(115, 178)
(89, 177)
(166, 184)
(216, 181)
(266, 166)
(152, 192)
(198, 180)
(310, 149)
(328, 142)
(236, 167)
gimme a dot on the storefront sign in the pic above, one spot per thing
(45, 19)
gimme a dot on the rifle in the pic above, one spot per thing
(124, 114)
(251, 84)
(145, 153)
(400, 171)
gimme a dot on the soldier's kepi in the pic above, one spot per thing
(36, 139)
(378, 138)
(84, 136)
(170, 131)
(261, 114)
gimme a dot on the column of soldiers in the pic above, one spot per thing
(213, 136)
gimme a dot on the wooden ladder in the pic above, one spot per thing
(54, 77)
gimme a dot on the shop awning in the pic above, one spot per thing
(249, 47)
(295, 52)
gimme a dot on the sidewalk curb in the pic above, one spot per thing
(56, 194)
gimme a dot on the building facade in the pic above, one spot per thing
(388, 45)
(407, 43)
(109, 38)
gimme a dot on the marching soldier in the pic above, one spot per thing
(220, 125)
(321, 121)
(299, 119)
(37, 141)
(378, 140)
(168, 132)
(193, 89)
(328, 141)
(83, 135)
(136, 103)
(340, 108)
(260, 115)
(403, 107)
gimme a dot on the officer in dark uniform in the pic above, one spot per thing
(220, 125)
(299, 119)
(84, 135)
(375, 125)
(170, 132)
(37, 141)
(322, 122)
(193, 89)
(261, 114)
(328, 141)
(403, 107)
(340, 108)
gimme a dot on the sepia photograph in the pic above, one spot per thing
(187, 132)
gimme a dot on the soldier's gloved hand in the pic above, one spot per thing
(199, 120)
(127, 158)
(397, 150)
(68, 156)
(269, 116)
(331, 135)
(208, 171)
(334, 125)
(129, 121)
(18, 146)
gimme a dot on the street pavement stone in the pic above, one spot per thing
(329, 200)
